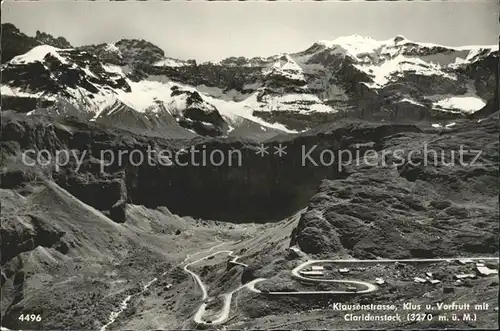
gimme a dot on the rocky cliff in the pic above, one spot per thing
(424, 206)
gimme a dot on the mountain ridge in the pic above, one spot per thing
(395, 79)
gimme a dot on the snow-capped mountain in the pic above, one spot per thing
(132, 83)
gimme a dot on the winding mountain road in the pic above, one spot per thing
(223, 316)
(197, 278)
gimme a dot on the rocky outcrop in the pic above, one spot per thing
(492, 105)
(107, 195)
(14, 42)
(224, 77)
(136, 52)
(200, 116)
(59, 74)
(25, 229)
(47, 39)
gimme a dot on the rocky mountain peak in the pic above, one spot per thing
(11, 29)
(194, 97)
(399, 38)
(14, 42)
(139, 50)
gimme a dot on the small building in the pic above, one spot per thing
(485, 271)
(420, 280)
(434, 281)
(344, 270)
(465, 276)
(312, 273)
(317, 267)
(379, 281)
(464, 261)
(294, 253)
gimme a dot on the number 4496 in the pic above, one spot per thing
(30, 318)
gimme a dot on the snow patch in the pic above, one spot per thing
(413, 102)
(354, 45)
(302, 103)
(87, 71)
(383, 73)
(18, 92)
(468, 104)
(235, 111)
(145, 93)
(112, 48)
(287, 68)
(38, 54)
(169, 62)
(114, 69)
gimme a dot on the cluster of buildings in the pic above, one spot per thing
(429, 277)
(319, 271)
(480, 268)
